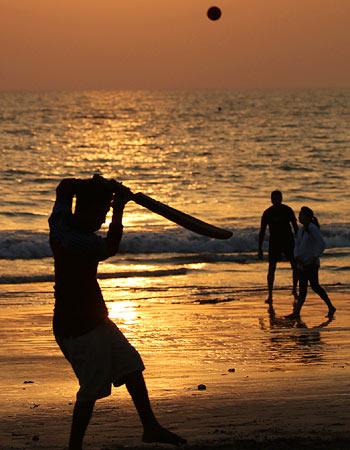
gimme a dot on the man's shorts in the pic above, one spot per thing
(99, 359)
(278, 248)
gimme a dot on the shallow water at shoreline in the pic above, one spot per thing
(212, 327)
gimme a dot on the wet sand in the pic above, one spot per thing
(269, 384)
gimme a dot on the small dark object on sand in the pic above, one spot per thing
(28, 382)
(232, 370)
(202, 387)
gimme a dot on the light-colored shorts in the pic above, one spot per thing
(99, 359)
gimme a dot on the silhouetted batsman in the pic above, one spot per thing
(99, 353)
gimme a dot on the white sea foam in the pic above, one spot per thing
(35, 245)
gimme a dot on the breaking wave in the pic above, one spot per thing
(22, 244)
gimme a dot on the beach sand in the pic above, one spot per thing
(269, 385)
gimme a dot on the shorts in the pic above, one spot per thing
(277, 249)
(99, 359)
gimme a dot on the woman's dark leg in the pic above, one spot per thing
(303, 282)
(295, 280)
(289, 252)
(316, 287)
(295, 276)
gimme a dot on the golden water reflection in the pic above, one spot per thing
(125, 311)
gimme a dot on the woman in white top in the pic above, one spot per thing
(309, 246)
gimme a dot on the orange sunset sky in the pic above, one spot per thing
(161, 44)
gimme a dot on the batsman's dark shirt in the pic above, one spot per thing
(278, 218)
(79, 304)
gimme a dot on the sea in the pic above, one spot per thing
(216, 155)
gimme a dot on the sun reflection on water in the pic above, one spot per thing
(123, 310)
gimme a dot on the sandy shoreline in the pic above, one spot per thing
(310, 420)
(289, 389)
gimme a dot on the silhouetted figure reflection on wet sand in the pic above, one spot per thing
(278, 218)
(99, 353)
(285, 322)
(309, 247)
(307, 339)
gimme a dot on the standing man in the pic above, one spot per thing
(278, 218)
(98, 352)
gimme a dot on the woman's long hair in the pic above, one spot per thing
(308, 212)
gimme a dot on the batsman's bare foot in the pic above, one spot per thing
(163, 436)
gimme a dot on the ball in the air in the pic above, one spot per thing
(214, 13)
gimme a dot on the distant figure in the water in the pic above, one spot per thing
(99, 353)
(309, 246)
(278, 218)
